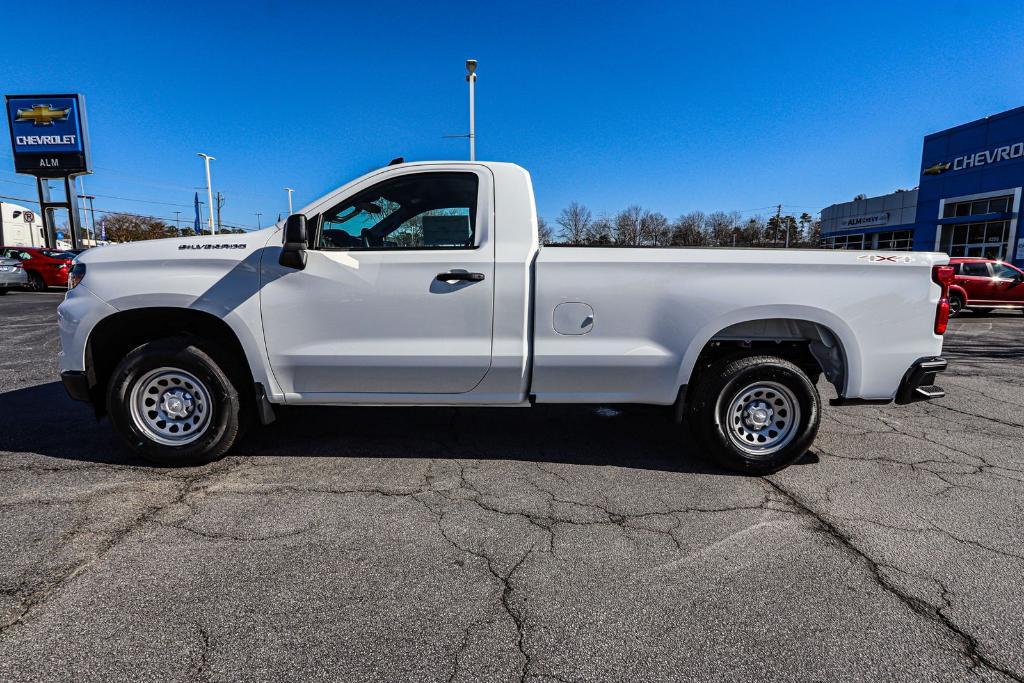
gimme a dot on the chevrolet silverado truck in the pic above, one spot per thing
(423, 284)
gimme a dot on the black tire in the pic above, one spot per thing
(716, 421)
(956, 304)
(3, 291)
(35, 282)
(219, 409)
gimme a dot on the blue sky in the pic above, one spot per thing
(675, 106)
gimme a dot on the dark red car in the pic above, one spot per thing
(985, 284)
(45, 267)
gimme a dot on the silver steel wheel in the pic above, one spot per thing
(762, 418)
(171, 406)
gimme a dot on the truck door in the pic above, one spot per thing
(1008, 284)
(397, 293)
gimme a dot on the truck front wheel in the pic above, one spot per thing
(173, 404)
(754, 414)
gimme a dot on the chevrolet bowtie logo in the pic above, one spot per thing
(937, 169)
(43, 114)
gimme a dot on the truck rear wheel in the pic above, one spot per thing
(173, 404)
(754, 414)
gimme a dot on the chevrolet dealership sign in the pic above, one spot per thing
(869, 220)
(988, 156)
(48, 134)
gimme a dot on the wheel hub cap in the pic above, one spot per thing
(171, 406)
(758, 415)
(762, 418)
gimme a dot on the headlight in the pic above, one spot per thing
(76, 275)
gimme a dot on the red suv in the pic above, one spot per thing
(984, 284)
(45, 267)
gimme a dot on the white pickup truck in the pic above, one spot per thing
(424, 284)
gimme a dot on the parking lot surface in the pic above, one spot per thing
(552, 544)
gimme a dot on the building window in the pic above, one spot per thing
(897, 240)
(844, 242)
(984, 239)
(977, 207)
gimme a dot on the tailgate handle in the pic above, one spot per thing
(461, 276)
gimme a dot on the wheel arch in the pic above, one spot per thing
(815, 340)
(115, 335)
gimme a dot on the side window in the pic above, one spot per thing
(415, 211)
(1004, 271)
(975, 269)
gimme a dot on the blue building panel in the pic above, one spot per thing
(985, 158)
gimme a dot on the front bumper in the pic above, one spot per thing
(919, 381)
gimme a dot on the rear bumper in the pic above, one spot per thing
(13, 279)
(919, 381)
(76, 383)
(918, 384)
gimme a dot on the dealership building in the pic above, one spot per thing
(966, 203)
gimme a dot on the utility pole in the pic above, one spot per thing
(471, 78)
(220, 203)
(209, 188)
(258, 214)
(92, 219)
(778, 218)
(289, 191)
(177, 221)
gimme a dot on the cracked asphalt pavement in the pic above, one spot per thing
(552, 544)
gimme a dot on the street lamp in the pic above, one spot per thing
(471, 78)
(209, 188)
(289, 191)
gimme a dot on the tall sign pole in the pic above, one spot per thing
(50, 141)
(209, 189)
(471, 78)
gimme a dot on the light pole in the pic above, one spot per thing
(471, 78)
(209, 188)
(289, 191)
(258, 214)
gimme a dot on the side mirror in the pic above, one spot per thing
(293, 252)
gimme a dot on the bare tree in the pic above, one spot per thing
(721, 227)
(629, 226)
(688, 230)
(601, 232)
(575, 220)
(126, 227)
(544, 232)
(657, 228)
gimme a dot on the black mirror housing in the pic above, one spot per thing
(293, 252)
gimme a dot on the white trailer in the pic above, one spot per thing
(20, 226)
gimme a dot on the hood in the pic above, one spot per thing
(214, 247)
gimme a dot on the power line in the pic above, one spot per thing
(247, 228)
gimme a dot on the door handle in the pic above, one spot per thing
(460, 276)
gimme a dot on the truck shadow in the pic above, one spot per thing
(41, 419)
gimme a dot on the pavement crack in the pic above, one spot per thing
(39, 597)
(969, 645)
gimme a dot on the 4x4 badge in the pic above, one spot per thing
(886, 258)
